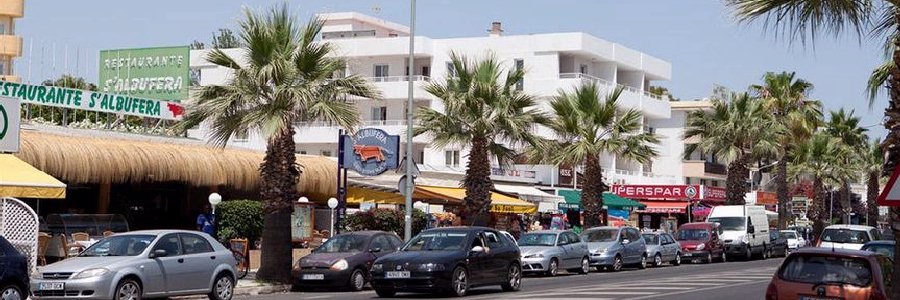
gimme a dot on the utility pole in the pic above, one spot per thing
(407, 227)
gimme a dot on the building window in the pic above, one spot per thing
(583, 69)
(451, 70)
(302, 152)
(715, 183)
(379, 113)
(381, 71)
(196, 75)
(451, 158)
(687, 180)
(3, 28)
(325, 153)
(702, 181)
(520, 64)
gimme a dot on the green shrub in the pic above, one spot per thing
(240, 219)
(390, 220)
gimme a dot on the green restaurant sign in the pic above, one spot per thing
(92, 101)
(157, 73)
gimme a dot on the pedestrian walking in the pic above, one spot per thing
(206, 221)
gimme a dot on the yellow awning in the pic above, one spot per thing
(21, 180)
(499, 203)
(358, 195)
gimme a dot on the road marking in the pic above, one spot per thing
(599, 293)
(695, 290)
(630, 287)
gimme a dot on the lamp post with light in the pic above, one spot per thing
(332, 203)
(214, 200)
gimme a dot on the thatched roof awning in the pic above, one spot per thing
(82, 157)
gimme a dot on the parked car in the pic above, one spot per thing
(344, 260)
(778, 245)
(507, 234)
(744, 229)
(614, 247)
(701, 241)
(794, 239)
(14, 275)
(662, 247)
(824, 273)
(884, 247)
(548, 251)
(847, 236)
(141, 264)
(450, 259)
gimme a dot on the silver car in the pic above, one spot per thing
(138, 264)
(550, 250)
(662, 247)
(614, 247)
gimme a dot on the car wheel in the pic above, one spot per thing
(677, 260)
(553, 267)
(514, 278)
(643, 264)
(585, 265)
(657, 260)
(12, 292)
(357, 280)
(617, 264)
(385, 293)
(223, 288)
(128, 289)
(459, 283)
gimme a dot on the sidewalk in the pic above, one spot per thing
(248, 286)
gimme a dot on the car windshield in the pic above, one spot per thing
(651, 239)
(538, 239)
(600, 235)
(818, 269)
(438, 241)
(788, 235)
(729, 223)
(348, 243)
(692, 235)
(845, 236)
(885, 249)
(120, 245)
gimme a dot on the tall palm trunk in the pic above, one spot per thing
(592, 192)
(478, 184)
(817, 210)
(892, 124)
(279, 175)
(736, 180)
(871, 194)
(781, 186)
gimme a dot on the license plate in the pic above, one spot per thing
(397, 274)
(52, 286)
(313, 276)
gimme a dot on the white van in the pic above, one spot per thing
(745, 229)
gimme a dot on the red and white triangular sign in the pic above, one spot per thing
(890, 195)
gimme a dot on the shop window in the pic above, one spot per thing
(451, 158)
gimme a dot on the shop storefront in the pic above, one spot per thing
(667, 206)
(619, 210)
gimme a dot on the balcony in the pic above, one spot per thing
(715, 168)
(703, 169)
(12, 8)
(650, 105)
(398, 78)
(397, 87)
(11, 45)
(600, 81)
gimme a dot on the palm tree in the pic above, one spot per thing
(484, 112)
(587, 127)
(738, 130)
(845, 127)
(287, 78)
(796, 119)
(821, 159)
(872, 160)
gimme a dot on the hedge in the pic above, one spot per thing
(240, 219)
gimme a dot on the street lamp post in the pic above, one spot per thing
(214, 199)
(332, 203)
(407, 227)
(831, 207)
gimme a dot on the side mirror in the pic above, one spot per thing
(750, 229)
(158, 253)
(478, 249)
(375, 250)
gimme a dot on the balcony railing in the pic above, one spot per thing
(589, 78)
(398, 78)
(363, 123)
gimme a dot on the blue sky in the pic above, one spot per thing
(699, 38)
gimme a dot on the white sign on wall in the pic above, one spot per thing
(9, 124)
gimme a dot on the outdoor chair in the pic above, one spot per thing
(43, 245)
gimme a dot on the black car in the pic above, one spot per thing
(13, 272)
(451, 260)
(778, 244)
(344, 260)
(884, 247)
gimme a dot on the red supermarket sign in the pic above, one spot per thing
(670, 192)
(657, 191)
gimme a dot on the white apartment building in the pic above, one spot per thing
(699, 167)
(378, 49)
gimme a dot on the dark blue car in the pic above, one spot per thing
(13, 272)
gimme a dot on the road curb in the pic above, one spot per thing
(249, 291)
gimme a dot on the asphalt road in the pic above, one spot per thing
(731, 280)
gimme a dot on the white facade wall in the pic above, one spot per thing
(552, 62)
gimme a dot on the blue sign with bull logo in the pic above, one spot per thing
(370, 151)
